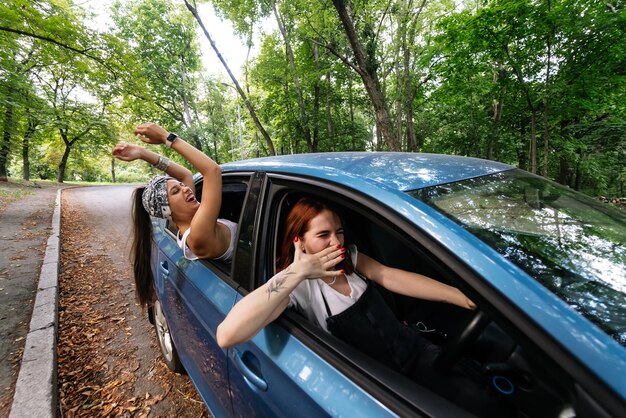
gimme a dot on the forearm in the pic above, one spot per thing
(201, 162)
(257, 309)
(155, 134)
(264, 304)
(423, 287)
(173, 169)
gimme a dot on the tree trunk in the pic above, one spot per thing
(243, 95)
(410, 131)
(546, 128)
(6, 137)
(197, 141)
(532, 155)
(113, 170)
(351, 105)
(522, 153)
(366, 66)
(25, 160)
(546, 141)
(563, 171)
(406, 74)
(304, 121)
(578, 175)
(497, 113)
(475, 147)
(316, 99)
(330, 128)
(399, 106)
(30, 131)
(63, 163)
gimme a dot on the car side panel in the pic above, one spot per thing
(194, 300)
(299, 382)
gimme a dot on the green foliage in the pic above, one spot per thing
(474, 79)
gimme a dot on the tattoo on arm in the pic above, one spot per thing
(276, 284)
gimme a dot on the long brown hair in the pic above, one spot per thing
(297, 225)
(141, 251)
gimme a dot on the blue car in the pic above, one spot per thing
(545, 266)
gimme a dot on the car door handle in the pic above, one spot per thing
(164, 268)
(249, 367)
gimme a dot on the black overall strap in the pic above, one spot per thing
(370, 326)
(325, 302)
(393, 342)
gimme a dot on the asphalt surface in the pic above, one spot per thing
(30, 269)
(28, 241)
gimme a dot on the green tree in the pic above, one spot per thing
(162, 63)
(36, 35)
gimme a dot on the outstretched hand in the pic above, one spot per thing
(151, 133)
(127, 152)
(314, 266)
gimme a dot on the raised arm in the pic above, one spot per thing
(411, 284)
(262, 306)
(207, 239)
(132, 152)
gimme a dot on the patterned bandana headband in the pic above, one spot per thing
(154, 198)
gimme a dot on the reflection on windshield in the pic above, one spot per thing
(572, 244)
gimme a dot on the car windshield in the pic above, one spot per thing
(573, 245)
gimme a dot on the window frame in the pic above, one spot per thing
(224, 270)
(394, 390)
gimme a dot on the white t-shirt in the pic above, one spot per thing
(307, 299)
(228, 254)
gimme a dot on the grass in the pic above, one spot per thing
(10, 192)
(14, 193)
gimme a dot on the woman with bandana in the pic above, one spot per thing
(201, 234)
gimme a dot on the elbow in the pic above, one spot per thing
(225, 337)
(211, 170)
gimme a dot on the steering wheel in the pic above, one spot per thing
(451, 353)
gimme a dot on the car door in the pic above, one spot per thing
(263, 371)
(192, 297)
(289, 369)
(195, 296)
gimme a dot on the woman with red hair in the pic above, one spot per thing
(331, 284)
(314, 227)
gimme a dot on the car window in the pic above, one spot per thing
(389, 246)
(568, 242)
(234, 189)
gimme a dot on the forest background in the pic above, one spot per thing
(538, 84)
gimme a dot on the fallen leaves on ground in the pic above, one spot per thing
(98, 369)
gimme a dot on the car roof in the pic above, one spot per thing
(400, 171)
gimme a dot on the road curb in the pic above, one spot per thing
(36, 387)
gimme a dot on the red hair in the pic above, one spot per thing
(297, 225)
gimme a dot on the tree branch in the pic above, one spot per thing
(62, 45)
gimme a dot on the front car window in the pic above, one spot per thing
(573, 245)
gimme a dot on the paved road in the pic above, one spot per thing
(96, 230)
(96, 235)
(24, 230)
(109, 208)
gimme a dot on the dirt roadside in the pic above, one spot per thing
(109, 361)
(110, 364)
